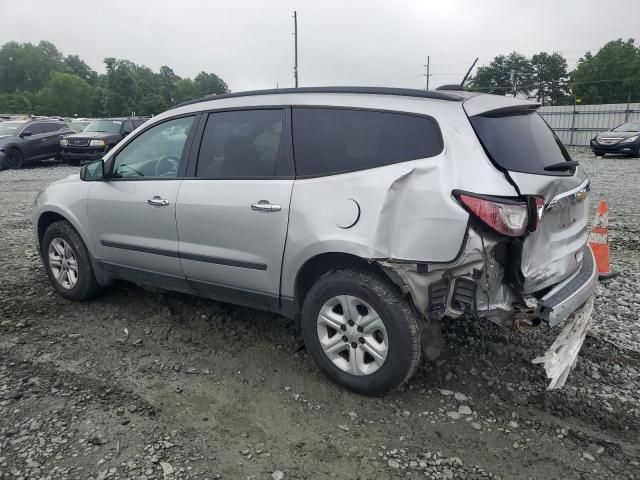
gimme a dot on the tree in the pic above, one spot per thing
(521, 73)
(148, 96)
(168, 79)
(504, 75)
(209, 84)
(24, 66)
(39, 79)
(612, 75)
(75, 65)
(184, 90)
(550, 79)
(65, 94)
(17, 102)
(120, 89)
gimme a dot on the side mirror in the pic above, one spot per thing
(26, 134)
(125, 133)
(93, 172)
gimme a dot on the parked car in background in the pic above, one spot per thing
(79, 125)
(623, 140)
(368, 215)
(30, 140)
(97, 138)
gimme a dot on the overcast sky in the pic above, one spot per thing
(249, 43)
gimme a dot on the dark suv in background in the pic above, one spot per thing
(97, 138)
(29, 140)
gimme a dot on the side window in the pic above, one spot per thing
(157, 152)
(50, 127)
(127, 127)
(244, 144)
(329, 141)
(34, 129)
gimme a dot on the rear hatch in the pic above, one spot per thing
(521, 144)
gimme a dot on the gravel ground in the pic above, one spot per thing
(143, 384)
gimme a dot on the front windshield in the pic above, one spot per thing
(9, 128)
(78, 126)
(628, 127)
(108, 126)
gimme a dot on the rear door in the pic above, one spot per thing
(520, 143)
(233, 211)
(52, 132)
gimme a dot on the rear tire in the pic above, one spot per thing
(14, 159)
(376, 320)
(68, 263)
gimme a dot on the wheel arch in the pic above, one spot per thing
(14, 146)
(317, 266)
(50, 216)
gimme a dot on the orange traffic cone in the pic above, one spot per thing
(599, 241)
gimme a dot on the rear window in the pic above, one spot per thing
(521, 142)
(334, 140)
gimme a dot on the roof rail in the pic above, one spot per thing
(405, 92)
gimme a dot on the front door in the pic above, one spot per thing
(34, 142)
(133, 212)
(233, 216)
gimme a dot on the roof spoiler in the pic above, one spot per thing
(453, 86)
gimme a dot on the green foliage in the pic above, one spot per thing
(504, 75)
(612, 75)
(24, 66)
(39, 79)
(209, 84)
(184, 90)
(543, 77)
(75, 65)
(65, 94)
(17, 102)
(549, 79)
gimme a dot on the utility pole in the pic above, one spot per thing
(427, 74)
(295, 40)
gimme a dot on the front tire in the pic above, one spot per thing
(360, 331)
(68, 263)
(14, 159)
(599, 154)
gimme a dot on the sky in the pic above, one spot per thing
(249, 43)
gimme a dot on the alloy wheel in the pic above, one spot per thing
(352, 335)
(63, 263)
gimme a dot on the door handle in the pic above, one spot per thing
(265, 206)
(158, 202)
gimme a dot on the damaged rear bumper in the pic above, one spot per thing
(569, 295)
(477, 284)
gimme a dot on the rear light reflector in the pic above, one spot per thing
(537, 209)
(505, 216)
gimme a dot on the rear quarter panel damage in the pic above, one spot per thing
(407, 212)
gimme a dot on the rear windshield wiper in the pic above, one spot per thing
(568, 165)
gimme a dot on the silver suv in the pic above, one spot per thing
(368, 215)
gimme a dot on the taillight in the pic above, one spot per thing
(506, 216)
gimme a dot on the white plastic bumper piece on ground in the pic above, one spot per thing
(561, 357)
